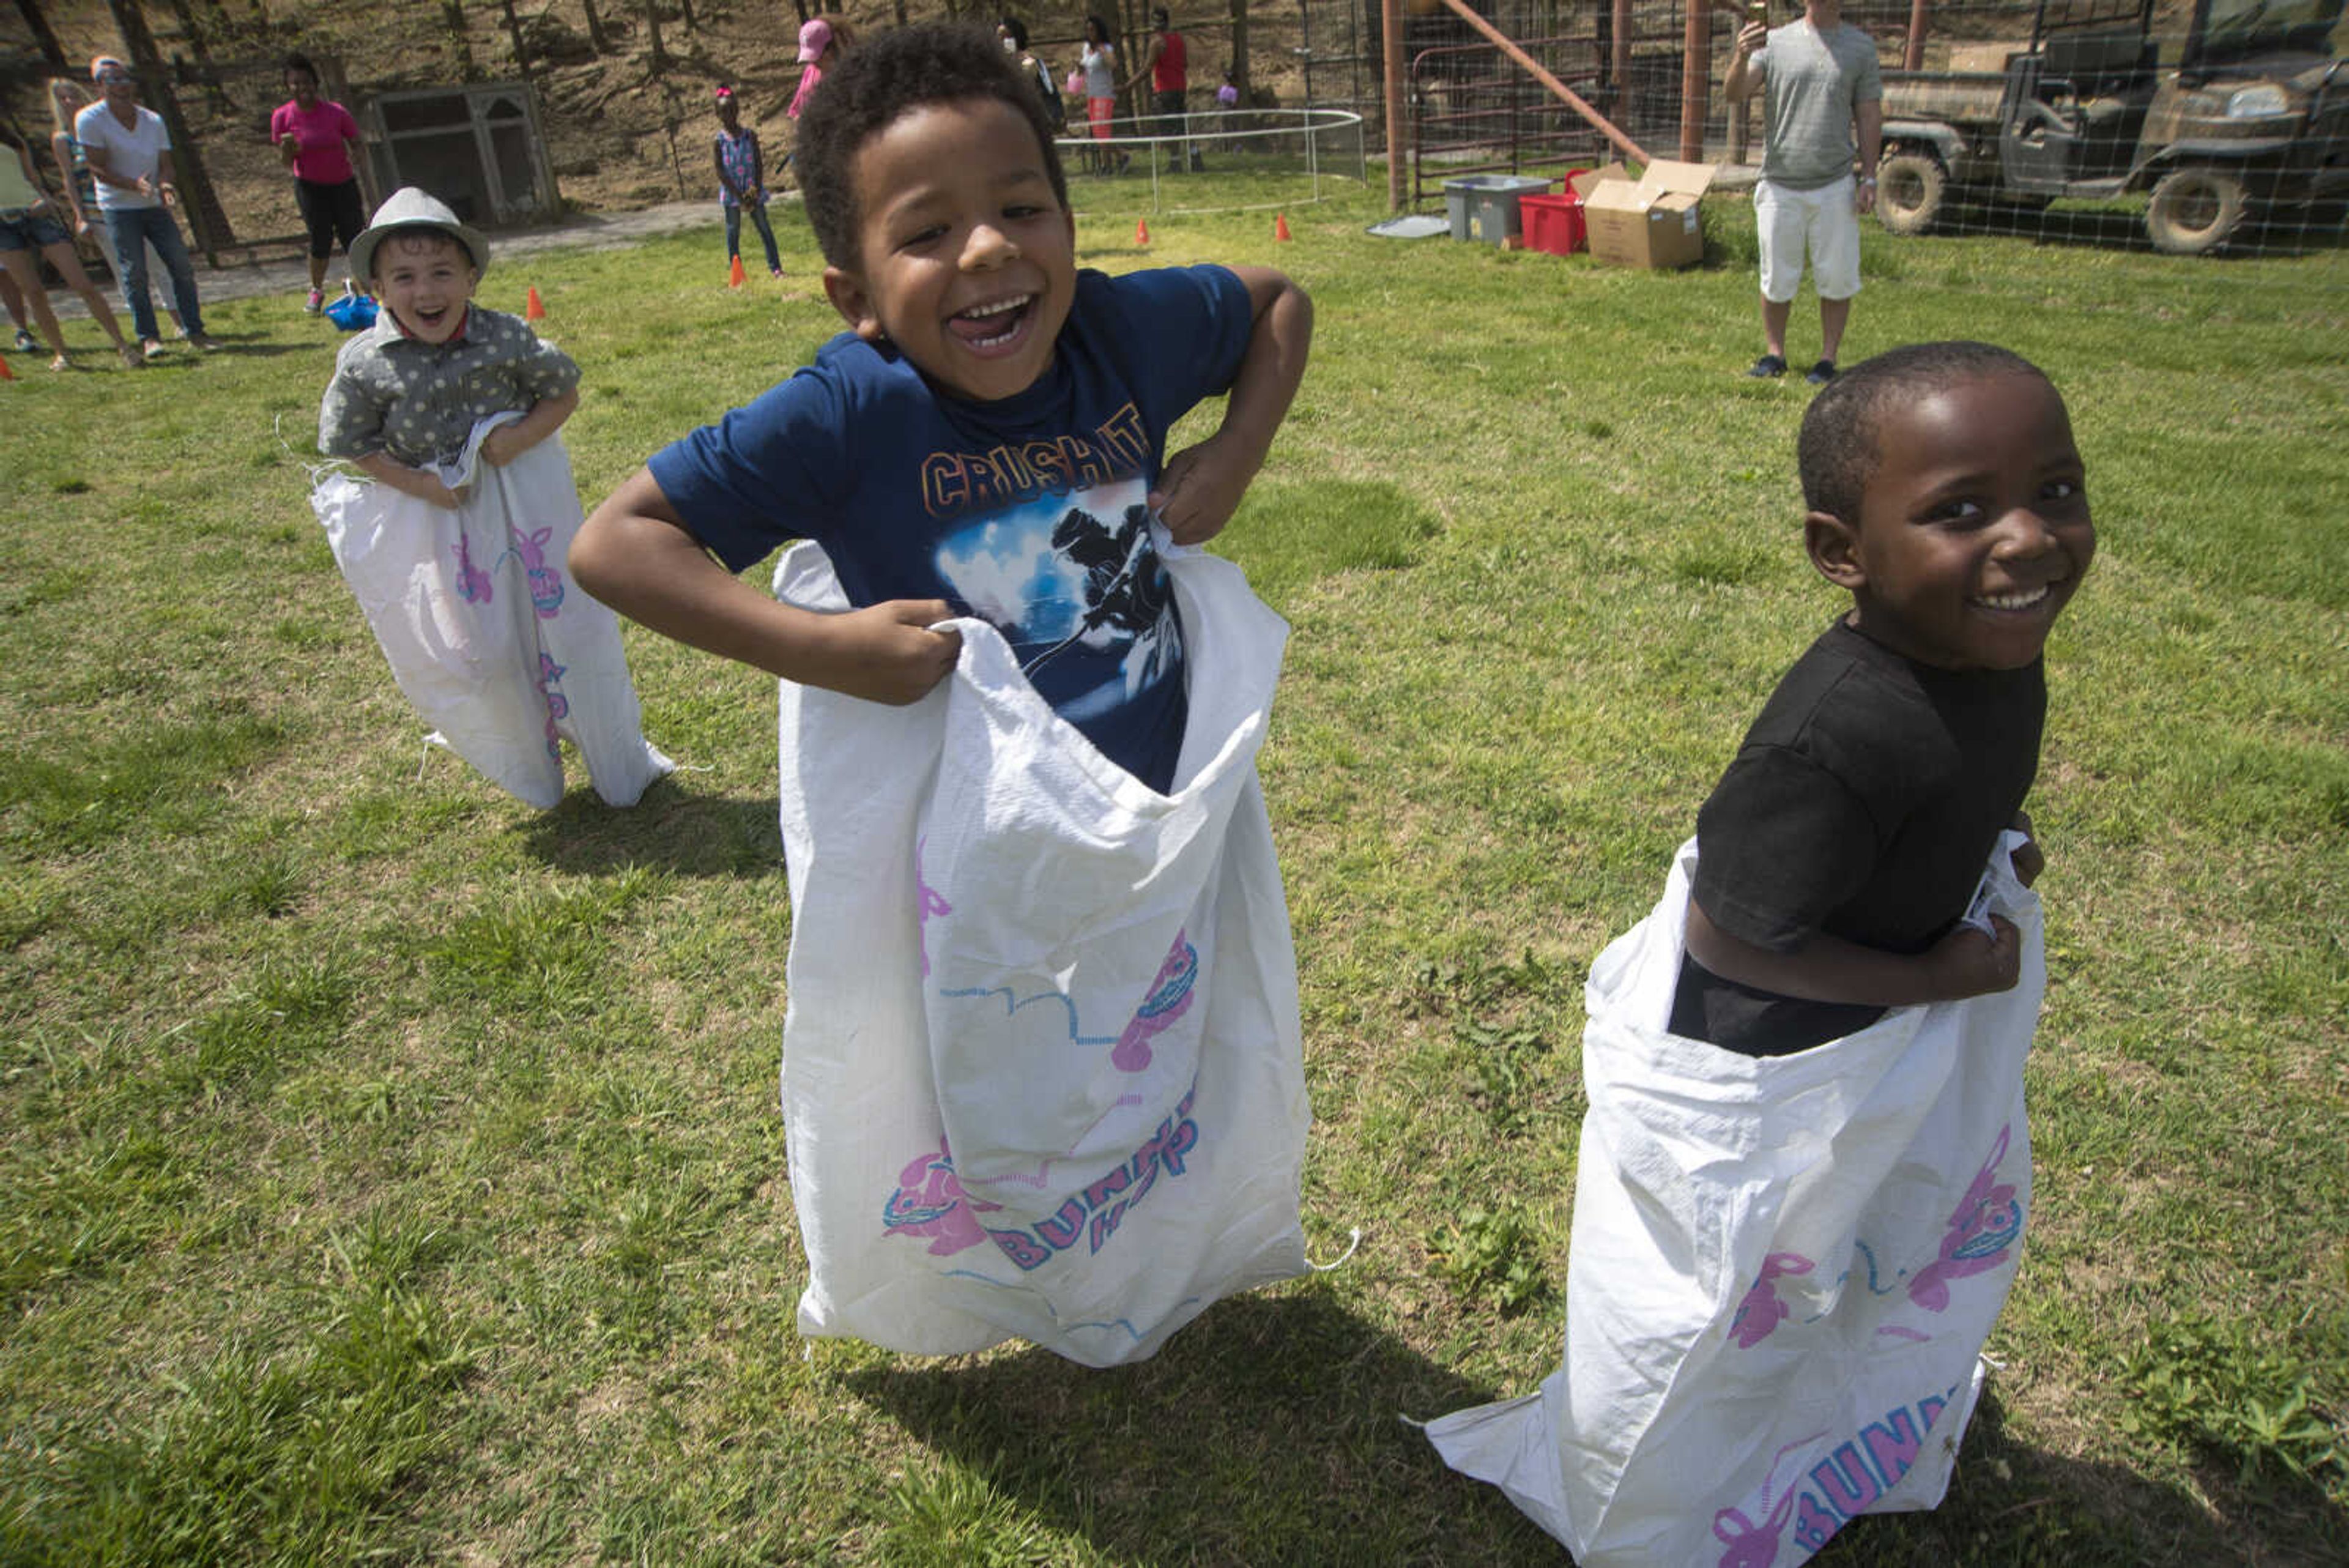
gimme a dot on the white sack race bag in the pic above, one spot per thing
(1781, 1270)
(1042, 1074)
(500, 652)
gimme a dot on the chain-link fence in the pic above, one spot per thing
(2192, 127)
(2203, 127)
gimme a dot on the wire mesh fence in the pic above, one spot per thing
(2200, 128)
(2207, 128)
(2218, 128)
(1264, 159)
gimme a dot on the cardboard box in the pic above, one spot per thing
(1582, 182)
(1650, 221)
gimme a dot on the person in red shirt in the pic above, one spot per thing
(1166, 62)
(317, 137)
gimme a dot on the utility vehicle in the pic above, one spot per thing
(2250, 118)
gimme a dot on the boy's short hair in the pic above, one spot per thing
(1837, 453)
(877, 83)
(298, 61)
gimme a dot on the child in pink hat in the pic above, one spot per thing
(816, 45)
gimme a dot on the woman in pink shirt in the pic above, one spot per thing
(316, 138)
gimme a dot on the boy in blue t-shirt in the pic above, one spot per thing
(988, 437)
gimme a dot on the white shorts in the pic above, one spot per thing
(1825, 222)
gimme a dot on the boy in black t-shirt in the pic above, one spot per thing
(1839, 853)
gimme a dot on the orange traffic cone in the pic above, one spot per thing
(6, 373)
(734, 274)
(536, 309)
(1281, 226)
(1141, 231)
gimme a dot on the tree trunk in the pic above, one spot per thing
(51, 50)
(652, 31)
(453, 13)
(192, 30)
(595, 39)
(1131, 23)
(1240, 49)
(513, 33)
(204, 214)
(685, 10)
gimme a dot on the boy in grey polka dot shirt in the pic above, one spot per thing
(409, 391)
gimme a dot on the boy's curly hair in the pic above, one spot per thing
(1837, 452)
(876, 84)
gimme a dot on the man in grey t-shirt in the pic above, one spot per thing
(1820, 86)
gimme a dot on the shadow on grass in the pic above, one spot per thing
(2011, 1503)
(1267, 1431)
(268, 348)
(1289, 534)
(1270, 1431)
(670, 829)
(242, 345)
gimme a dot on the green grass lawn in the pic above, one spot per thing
(391, 1171)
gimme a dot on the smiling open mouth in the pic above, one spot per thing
(992, 326)
(2017, 599)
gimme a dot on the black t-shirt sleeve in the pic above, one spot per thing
(1781, 844)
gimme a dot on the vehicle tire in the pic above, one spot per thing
(1908, 192)
(2195, 209)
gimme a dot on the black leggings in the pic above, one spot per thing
(330, 211)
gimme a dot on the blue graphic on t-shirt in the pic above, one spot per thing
(1075, 585)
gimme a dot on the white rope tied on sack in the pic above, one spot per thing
(1353, 1239)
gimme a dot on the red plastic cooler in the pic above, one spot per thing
(1554, 224)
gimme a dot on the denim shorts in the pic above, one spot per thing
(25, 229)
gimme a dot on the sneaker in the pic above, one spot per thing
(1820, 374)
(60, 363)
(131, 358)
(150, 347)
(25, 344)
(1767, 366)
(317, 303)
(776, 273)
(204, 342)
